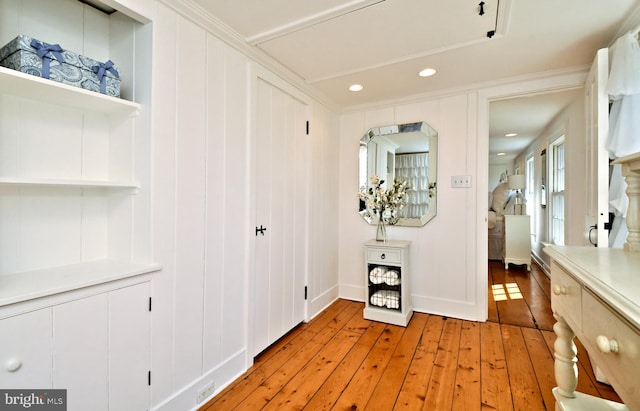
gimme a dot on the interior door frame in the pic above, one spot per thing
(597, 113)
(256, 73)
(526, 87)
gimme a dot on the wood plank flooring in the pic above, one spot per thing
(340, 361)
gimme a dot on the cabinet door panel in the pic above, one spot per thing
(129, 344)
(26, 338)
(80, 349)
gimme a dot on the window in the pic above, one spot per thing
(557, 191)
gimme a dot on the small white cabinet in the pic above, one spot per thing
(387, 270)
(96, 347)
(517, 241)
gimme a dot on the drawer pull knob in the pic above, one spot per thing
(382, 257)
(606, 345)
(12, 364)
(559, 289)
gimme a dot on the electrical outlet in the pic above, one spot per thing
(205, 391)
(461, 181)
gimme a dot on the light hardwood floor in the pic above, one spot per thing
(341, 361)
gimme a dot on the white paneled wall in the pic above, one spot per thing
(216, 256)
(164, 194)
(190, 166)
(202, 218)
(324, 210)
(443, 253)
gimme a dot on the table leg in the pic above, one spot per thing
(565, 367)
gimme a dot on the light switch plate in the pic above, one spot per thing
(461, 181)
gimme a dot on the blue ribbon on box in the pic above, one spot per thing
(101, 70)
(47, 52)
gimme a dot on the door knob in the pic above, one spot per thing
(12, 364)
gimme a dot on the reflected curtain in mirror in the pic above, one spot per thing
(414, 168)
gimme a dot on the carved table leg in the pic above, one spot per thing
(633, 212)
(565, 367)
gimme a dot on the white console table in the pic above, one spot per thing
(596, 297)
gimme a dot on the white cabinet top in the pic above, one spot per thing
(388, 243)
(27, 286)
(612, 274)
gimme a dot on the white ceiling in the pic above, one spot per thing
(383, 44)
(527, 116)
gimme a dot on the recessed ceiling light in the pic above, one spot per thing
(356, 87)
(501, 154)
(511, 134)
(427, 72)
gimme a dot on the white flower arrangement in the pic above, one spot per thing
(384, 202)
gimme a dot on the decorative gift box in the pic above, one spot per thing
(51, 61)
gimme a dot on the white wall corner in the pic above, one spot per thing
(321, 302)
(352, 292)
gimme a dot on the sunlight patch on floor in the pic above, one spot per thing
(508, 291)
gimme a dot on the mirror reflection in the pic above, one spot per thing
(404, 152)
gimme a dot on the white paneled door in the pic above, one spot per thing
(282, 195)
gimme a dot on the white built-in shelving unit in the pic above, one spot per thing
(69, 171)
(75, 212)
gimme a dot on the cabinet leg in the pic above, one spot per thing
(566, 370)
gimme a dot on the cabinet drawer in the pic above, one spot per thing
(614, 332)
(384, 255)
(566, 297)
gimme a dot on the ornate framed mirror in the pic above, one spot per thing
(406, 152)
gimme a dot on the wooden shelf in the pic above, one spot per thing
(28, 86)
(28, 181)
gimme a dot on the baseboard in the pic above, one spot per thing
(428, 305)
(448, 308)
(219, 377)
(352, 292)
(545, 267)
(324, 300)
